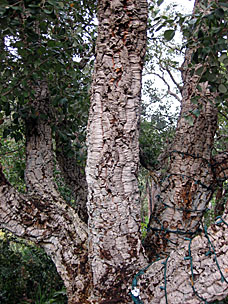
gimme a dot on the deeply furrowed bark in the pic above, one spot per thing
(188, 179)
(193, 274)
(189, 182)
(115, 249)
(101, 270)
(53, 225)
(41, 215)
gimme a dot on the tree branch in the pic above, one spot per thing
(197, 270)
(31, 216)
(223, 114)
(41, 215)
(169, 90)
(220, 165)
(173, 79)
(51, 224)
(39, 150)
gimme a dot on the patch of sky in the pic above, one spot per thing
(165, 80)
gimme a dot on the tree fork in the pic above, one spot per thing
(74, 176)
(41, 215)
(98, 263)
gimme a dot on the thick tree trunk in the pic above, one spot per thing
(98, 262)
(187, 177)
(115, 249)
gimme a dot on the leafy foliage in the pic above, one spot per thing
(158, 122)
(163, 56)
(13, 161)
(210, 43)
(206, 34)
(27, 275)
(51, 41)
(144, 227)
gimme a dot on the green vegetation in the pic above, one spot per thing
(27, 275)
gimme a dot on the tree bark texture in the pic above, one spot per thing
(187, 176)
(115, 249)
(99, 261)
(53, 225)
(41, 215)
(189, 180)
(56, 227)
(197, 272)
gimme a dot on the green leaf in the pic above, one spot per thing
(212, 77)
(169, 34)
(34, 5)
(196, 112)
(199, 71)
(53, 2)
(3, 3)
(222, 57)
(63, 101)
(16, 8)
(192, 21)
(190, 120)
(48, 11)
(160, 2)
(61, 4)
(223, 4)
(222, 88)
(219, 12)
(215, 30)
(2, 11)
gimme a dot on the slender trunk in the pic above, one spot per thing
(115, 249)
(189, 180)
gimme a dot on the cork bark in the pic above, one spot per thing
(98, 261)
(189, 173)
(188, 181)
(41, 215)
(115, 249)
(196, 272)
